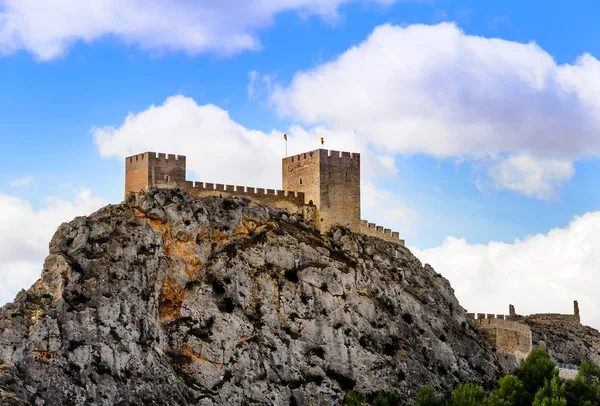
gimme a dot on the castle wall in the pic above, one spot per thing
(508, 337)
(553, 318)
(374, 230)
(148, 169)
(324, 185)
(292, 201)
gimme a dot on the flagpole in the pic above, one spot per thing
(285, 138)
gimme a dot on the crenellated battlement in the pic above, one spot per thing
(290, 200)
(322, 184)
(504, 335)
(154, 157)
(323, 153)
(374, 230)
(331, 154)
(498, 320)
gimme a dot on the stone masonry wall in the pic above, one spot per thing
(508, 337)
(340, 189)
(290, 200)
(301, 172)
(145, 170)
(374, 230)
(323, 184)
(552, 318)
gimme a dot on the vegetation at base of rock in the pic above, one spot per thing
(382, 398)
(467, 394)
(428, 397)
(538, 373)
(535, 371)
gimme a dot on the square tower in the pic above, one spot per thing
(149, 169)
(330, 180)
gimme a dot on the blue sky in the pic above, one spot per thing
(499, 150)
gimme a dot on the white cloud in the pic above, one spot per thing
(48, 28)
(531, 177)
(540, 274)
(220, 150)
(435, 90)
(26, 232)
(22, 183)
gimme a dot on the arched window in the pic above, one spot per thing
(310, 202)
(167, 178)
(300, 180)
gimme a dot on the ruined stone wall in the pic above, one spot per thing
(340, 189)
(553, 318)
(505, 336)
(145, 170)
(374, 230)
(290, 200)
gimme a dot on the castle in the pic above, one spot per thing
(323, 185)
(510, 335)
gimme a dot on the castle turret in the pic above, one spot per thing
(330, 180)
(149, 169)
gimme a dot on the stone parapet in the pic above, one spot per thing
(291, 200)
(374, 230)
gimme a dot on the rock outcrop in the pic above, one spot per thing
(172, 300)
(567, 342)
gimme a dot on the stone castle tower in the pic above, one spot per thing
(331, 181)
(323, 185)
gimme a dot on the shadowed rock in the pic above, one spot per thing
(173, 300)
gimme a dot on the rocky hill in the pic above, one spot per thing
(172, 300)
(568, 343)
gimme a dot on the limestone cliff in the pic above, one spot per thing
(567, 342)
(168, 299)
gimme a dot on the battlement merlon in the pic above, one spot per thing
(153, 157)
(323, 154)
(374, 230)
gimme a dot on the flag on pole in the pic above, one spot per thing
(285, 137)
(322, 140)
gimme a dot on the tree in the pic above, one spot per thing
(386, 399)
(467, 394)
(509, 393)
(354, 399)
(589, 372)
(585, 388)
(428, 397)
(535, 370)
(551, 394)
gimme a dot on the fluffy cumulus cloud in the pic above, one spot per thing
(219, 150)
(436, 90)
(25, 233)
(540, 274)
(47, 28)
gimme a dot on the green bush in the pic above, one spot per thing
(551, 394)
(386, 399)
(467, 394)
(428, 397)
(510, 392)
(354, 399)
(535, 371)
(584, 390)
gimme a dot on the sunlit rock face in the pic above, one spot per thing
(167, 299)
